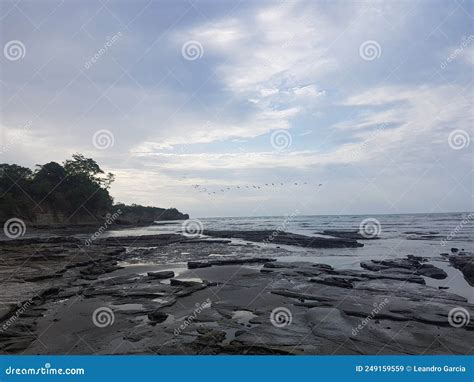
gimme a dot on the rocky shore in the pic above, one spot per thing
(171, 294)
(288, 238)
(465, 264)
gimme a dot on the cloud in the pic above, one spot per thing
(266, 59)
(266, 66)
(415, 121)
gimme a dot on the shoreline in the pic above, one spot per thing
(138, 282)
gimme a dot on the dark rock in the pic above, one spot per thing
(161, 275)
(248, 260)
(100, 268)
(209, 337)
(209, 241)
(276, 265)
(412, 263)
(44, 277)
(387, 274)
(287, 238)
(198, 264)
(465, 264)
(429, 270)
(421, 233)
(41, 240)
(157, 316)
(185, 283)
(142, 241)
(301, 296)
(338, 281)
(417, 258)
(322, 266)
(454, 250)
(372, 266)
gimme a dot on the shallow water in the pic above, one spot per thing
(392, 227)
(398, 236)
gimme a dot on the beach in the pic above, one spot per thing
(309, 285)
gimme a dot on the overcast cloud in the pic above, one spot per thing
(373, 100)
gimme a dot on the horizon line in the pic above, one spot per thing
(374, 214)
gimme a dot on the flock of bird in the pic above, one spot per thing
(200, 188)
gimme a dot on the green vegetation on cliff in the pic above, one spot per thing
(76, 191)
(137, 215)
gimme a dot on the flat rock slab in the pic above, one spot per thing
(465, 263)
(412, 264)
(161, 275)
(240, 261)
(287, 238)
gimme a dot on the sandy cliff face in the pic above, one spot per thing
(51, 218)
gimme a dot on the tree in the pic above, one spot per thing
(54, 188)
(89, 168)
(14, 191)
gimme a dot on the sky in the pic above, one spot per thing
(346, 107)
